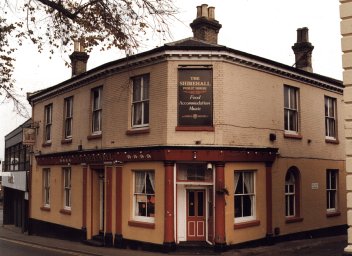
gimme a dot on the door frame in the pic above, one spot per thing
(181, 210)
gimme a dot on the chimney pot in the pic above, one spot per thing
(303, 50)
(205, 10)
(205, 27)
(212, 13)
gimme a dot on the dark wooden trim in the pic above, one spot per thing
(138, 131)
(195, 128)
(269, 203)
(118, 197)
(140, 224)
(293, 136)
(169, 203)
(108, 188)
(332, 141)
(65, 211)
(94, 136)
(46, 209)
(333, 214)
(159, 153)
(293, 219)
(246, 224)
(84, 196)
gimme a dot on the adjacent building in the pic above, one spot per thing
(191, 141)
(15, 178)
(346, 43)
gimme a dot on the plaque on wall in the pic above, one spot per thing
(195, 97)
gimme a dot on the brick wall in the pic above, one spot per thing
(346, 43)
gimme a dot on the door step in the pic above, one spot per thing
(194, 247)
(97, 241)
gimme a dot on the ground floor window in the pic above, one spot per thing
(46, 187)
(244, 196)
(292, 187)
(331, 190)
(144, 195)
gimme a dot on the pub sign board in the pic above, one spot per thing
(195, 97)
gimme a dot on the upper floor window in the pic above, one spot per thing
(68, 104)
(331, 190)
(144, 196)
(97, 110)
(244, 196)
(330, 117)
(140, 101)
(48, 112)
(46, 187)
(67, 188)
(291, 109)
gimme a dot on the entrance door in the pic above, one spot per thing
(101, 202)
(196, 225)
(210, 216)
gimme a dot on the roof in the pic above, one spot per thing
(185, 46)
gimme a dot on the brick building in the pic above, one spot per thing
(346, 43)
(191, 141)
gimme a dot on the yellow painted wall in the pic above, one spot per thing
(312, 201)
(139, 233)
(56, 197)
(235, 236)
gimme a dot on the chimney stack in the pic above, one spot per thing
(303, 50)
(79, 59)
(205, 27)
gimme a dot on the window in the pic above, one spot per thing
(140, 101)
(144, 196)
(96, 110)
(330, 118)
(331, 190)
(48, 122)
(67, 188)
(291, 109)
(244, 197)
(194, 172)
(46, 187)
(292, 193)
(68, 117)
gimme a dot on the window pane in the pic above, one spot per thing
(136, 89)
(293, 102)
(286, 119)
(146, 113)
(200, 203)
(286, 102)
(247, 206)
(191, 206)
(145, 87)
(137, 113)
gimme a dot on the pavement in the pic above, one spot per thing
(326, 246)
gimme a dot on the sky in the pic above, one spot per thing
(264, 28)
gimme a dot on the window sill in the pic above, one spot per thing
(45, 208)
(195, 128)
(138, 131)
(331, 141)
(294, 219)
(65, 211)
(293, 136)
(66, 141)
(246, 224)
(333, 214)
(134, 223)
(46, 144)
(94, 136)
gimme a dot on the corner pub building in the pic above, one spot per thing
(190, 141)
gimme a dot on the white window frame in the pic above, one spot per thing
(330, 117)
(68, 110)
(136, 217)
(290, 193)
(97, 110)
(291, 108)
(48, 117)
(46, 187)
(67, 188)
(142, 101)
(251, 194)
(331, 188)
